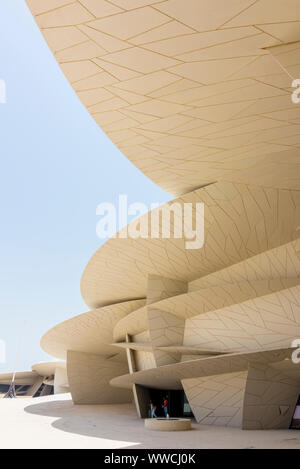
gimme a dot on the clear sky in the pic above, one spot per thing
(56, 167)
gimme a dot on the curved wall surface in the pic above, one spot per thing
(229, 309)
(240, 221)
(198, 96)
(192, 92)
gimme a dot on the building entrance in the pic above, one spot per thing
(178, 405)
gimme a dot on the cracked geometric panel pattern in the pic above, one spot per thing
(217, 400)
(270, 398)
(270, 271)
(171, 376)
(288, 55)
(198, 96)
(257, 316)
(89, 376)
(214, 298)
(191, 92)
(165, 329)
(133, 324)
(280, 263)
(240, 222)
(159, 288)
(257, 324)
(90, 332)
(144, 360)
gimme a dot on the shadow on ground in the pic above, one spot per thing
(117, 423)
(118, 427)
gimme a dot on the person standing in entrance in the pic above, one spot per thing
(165, 407)
(152, 410)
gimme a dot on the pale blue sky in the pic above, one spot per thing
(56, 167)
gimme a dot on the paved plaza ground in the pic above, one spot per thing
(54, 422)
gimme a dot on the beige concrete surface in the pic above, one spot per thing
(171, 424)
(240, 222)
(48, 368)
(190, 91)
(238, 295)
(82, 332)
(89, 376)
(197, 95)
(55, 422)
(21, 378)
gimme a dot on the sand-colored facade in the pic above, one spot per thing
(198, 96)
(45, 378)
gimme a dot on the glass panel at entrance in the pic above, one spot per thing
(187, 411)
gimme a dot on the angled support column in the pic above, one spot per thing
(141, 399)
(130, 356)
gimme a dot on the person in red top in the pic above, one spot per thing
(165, 407)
